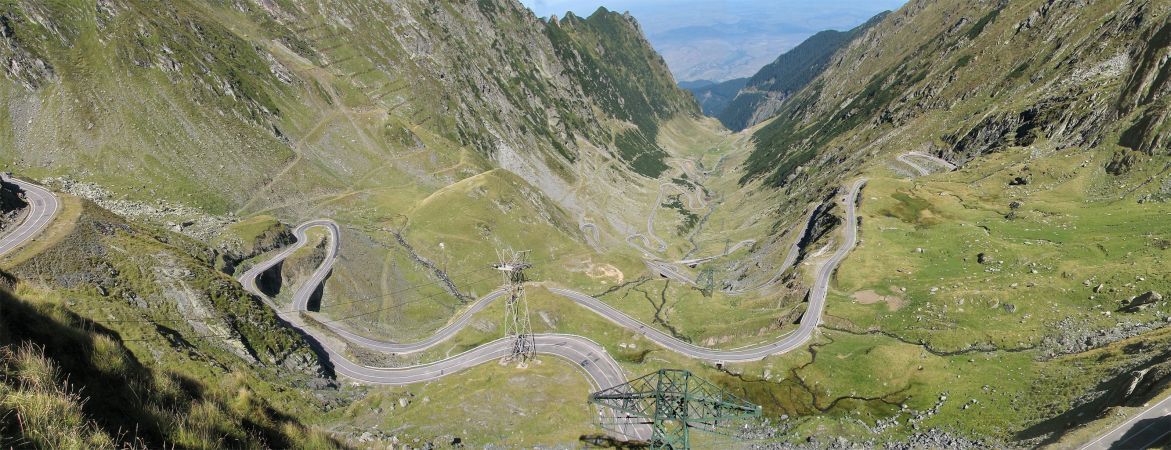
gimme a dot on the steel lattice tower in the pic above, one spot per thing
(673, 402)
(516, 308)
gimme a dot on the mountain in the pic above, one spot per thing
(715, 97)
(186, 138)
(951, 232)
(1056, 114)
(914, 82)
(762, 95)
(696, 84)
(249, 97)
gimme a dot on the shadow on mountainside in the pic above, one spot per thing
(51, 356)
(1132, 387)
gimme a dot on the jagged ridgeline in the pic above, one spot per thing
(208, 102)
(964, 79)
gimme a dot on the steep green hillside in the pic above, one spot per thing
(631, 83)
(309, 98)
(1040, 258)
(69, 382)
(714, 98)
(761, 95)
(1016, 301)
(961, 91)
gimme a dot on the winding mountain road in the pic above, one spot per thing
(43, 206)
(809, 321)
(591, 358)
(906, 158)
(729, 251)
(934, 160)
(1142, 431)
(808, 325)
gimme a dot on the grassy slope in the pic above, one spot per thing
(883, 371)
(491, 404)
(72, 383)
(1070, 234)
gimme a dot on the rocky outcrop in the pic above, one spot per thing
(10, 198)
(250, 239)
(19, 62)
(177, 217)
(1147, 91)
(823, 222)
(11, 205)
(1077, 336)
(170, 280)
(1142, 301)
(301, 265)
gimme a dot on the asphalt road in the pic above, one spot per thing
(809, 321)
(906, 158)
(807, 326)
(1141, 431)
(729, 251)
(593, 237)
(599, 367)
(669, 271)
(933, 159)
(43, 206)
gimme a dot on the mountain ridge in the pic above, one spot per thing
(764, 92)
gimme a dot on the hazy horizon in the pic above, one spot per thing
(721, 40)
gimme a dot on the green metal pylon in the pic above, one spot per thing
(673, 402)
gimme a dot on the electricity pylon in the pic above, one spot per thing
(516, 309)
(673, 402)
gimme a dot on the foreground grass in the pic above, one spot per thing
(70, 383)
(490, 404)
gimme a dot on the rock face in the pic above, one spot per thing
(1142, 301)
(10, 199)
(249, 239)
(1106, 85)
(823, 221)
(11, 204)
(170, 279)
(301, 265)
(19, 62)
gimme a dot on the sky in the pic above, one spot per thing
(722, 39)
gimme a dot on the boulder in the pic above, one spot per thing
(1142, 301)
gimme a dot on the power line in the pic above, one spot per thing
(282, 311)
(342, 319)
(331, 321)
(279, 311)
(406, 289)
(323, 322)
